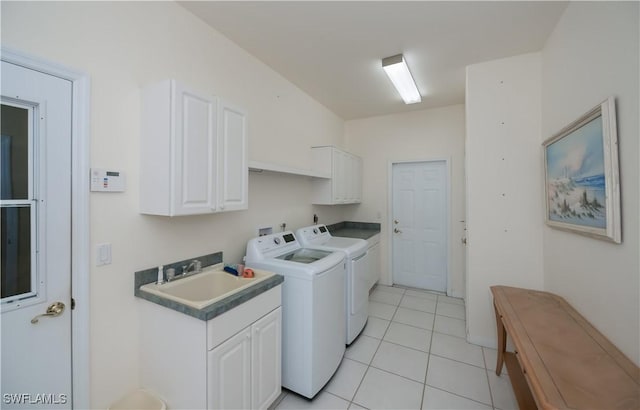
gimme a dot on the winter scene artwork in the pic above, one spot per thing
(582, 177)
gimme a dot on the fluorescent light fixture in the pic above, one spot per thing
(399, 74)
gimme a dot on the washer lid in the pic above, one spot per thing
(352, 246)
(304, 255)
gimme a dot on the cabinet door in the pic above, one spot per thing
(356, 180)
(339, 176)
(233, 165)
(266, 360)
(374, 264)
(229, 371)
(348, 178)
(194, 152)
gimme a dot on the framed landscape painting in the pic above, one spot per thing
(581, 175)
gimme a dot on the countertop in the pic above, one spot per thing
(361, 230)
(215, 309)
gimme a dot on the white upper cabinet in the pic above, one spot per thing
(234, 165)
(345, 184)
(193, 153)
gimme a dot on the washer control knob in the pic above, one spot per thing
(276, 240)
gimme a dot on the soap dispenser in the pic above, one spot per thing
(160, 276)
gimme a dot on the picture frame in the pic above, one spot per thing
(582, 177)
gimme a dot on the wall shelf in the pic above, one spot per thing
(258, 166)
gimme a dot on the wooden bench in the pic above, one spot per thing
(560, 360)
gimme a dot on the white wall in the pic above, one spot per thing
(429, 134)
(504, 188)
(593, 54)
(123, 46)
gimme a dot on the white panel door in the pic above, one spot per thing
(35, 239)
(233, 158)
(266, 368)
(419, 225)
(195, 155)
(229, 370)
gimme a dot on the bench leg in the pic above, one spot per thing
(502, 341)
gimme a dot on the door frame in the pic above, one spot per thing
(391, 163)
(80, 216)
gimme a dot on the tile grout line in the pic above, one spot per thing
(428, 352)
(372, 357)
(484, 359)
(418, 310)
(461, 396)
(406, 347)
(424, 386)
(459, 361)
(456, 394)
(435, 315)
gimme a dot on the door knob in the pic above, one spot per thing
(55, 309)
(395, 221)
(396, 230)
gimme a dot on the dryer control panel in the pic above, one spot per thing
(316, 234)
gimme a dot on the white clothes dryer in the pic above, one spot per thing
(313, 304)
(356, 279)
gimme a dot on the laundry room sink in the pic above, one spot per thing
(205, 288)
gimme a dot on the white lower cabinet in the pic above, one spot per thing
(266, 377)
(374, 259)
(244, 371)
(232, 361)
(229, 368)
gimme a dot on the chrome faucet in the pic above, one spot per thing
(187, 270)
(194, 267)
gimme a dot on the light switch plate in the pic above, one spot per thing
(103, 254)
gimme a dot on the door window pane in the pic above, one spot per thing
(14, 159)
(17, 203)
(15, 240)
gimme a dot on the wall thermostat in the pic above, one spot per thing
(105, 180)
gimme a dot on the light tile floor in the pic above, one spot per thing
(412, 355)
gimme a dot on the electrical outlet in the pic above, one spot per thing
(265, 231)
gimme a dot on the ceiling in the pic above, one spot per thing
(333, 49)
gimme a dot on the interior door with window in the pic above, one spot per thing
(420, 224)
(35, 239)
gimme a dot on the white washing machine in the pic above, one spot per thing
(357, 278)
(313, 331)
